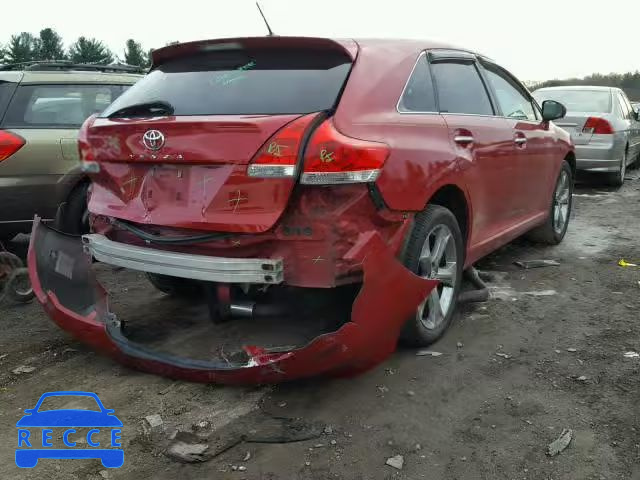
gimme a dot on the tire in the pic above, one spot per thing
(550, 232)
(174, 286)
(75, 216)
(18, 287)
(617, 179)
(434, 224)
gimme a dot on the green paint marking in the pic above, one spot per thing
(326, 157)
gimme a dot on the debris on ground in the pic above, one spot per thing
(382, 389)
(572, 350)
(527, 264)
(541, 293)
(152, 424)
(247, 457)
(328, 430)
(201, 426)
(4, 355)
(237, 468)
(396, 462)
(428, 353)
(22, 369)
(624, 263)
(503, 355)
(187, 452)
(459, 345)
(582, 378)
(562, 442)
(631, 354)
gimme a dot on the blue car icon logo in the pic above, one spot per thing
(102, 437)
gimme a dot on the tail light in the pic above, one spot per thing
(331, 157)
(10, 143)
(87, 157)
(278, 157)
(597, 126)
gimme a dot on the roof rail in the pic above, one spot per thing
(65, 65)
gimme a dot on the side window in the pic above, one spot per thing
(418, 95)
(460, 89)
(624, 108)
(628, 104)
(6, 90)
(513, 102)
(57, 106)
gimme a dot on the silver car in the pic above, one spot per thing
(603, 125)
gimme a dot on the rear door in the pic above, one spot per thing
(482, 141)
(634, 127)
(535, 157)
(48, 117)
(211, 111)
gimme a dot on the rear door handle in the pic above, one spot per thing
(463, 139)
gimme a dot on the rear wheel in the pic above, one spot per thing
(75, 218)
(554, 229)
(174, 286)
(435, 250)
(617, 179)
(18, 286)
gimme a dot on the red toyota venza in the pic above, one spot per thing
(254, 171)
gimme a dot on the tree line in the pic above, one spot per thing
(48, 45)
(629, 82)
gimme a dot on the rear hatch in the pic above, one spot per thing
(174, 150)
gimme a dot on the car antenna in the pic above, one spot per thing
(265, 20)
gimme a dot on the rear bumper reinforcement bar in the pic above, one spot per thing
(196, 267)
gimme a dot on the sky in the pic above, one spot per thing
(536, 41)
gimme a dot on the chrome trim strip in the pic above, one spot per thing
(183, 265)
(331, 178)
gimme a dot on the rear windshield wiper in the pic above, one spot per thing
(157, 107)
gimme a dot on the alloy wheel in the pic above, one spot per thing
(438, 260)
(561, 201)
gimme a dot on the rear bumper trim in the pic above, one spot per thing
(196, 267)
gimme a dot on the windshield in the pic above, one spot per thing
(237, 82)
(578, 100)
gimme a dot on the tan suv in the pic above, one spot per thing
(42, 106)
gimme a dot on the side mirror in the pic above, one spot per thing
(552, 110)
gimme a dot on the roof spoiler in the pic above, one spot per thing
(161, 55)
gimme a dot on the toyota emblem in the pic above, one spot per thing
(153, 139)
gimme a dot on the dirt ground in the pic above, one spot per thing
(467, 414)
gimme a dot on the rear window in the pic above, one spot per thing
(578, 100)
(58, 106)
(238, 82)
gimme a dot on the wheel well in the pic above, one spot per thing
(571, 160)
(453, 199)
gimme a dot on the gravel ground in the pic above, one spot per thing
(514, 372)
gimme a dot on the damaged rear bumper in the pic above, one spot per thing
(63, 280)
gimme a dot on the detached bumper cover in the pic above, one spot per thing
(64, 283)
(197, 267)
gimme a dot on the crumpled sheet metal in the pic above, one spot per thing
(64, 284)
